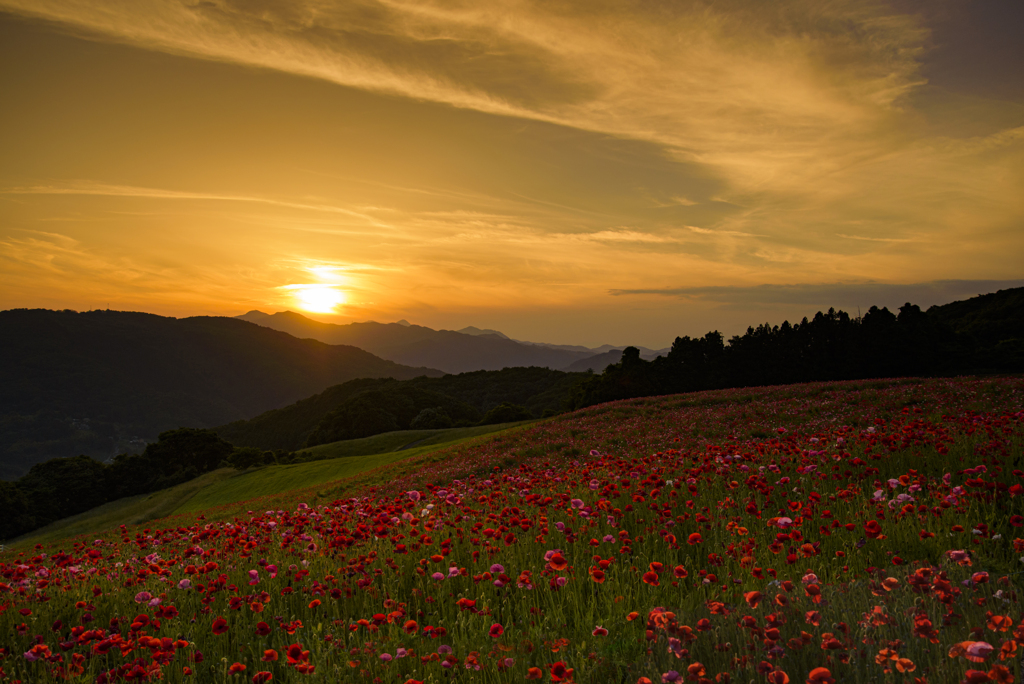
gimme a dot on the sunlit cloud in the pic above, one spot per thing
(839, 294)
(776, 145)
(803, 108)
(44, 264)
(103, 190)
(872, 239)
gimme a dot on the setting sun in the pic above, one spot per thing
(317, 298)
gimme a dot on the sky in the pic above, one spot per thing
(565, 172)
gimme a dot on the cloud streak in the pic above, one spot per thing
(103, 190)
(667, 149)
(803, 108)
(834, 294)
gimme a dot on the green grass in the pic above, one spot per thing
(336, 461)
(132, 510)
(394, 441)
(227, 486)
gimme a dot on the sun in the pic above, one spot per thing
(318, 298)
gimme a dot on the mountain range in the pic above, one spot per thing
(103, 382)
(452, 351)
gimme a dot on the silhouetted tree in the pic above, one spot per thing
(506, 413)
(431, 419)
(15, 517)
(63, 486)
(179, 449)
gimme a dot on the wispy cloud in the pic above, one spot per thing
(872, 239)
(708, 231)
(803, 108)
(834, 294)
(793, 141)
(104, 190)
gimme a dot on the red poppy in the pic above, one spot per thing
(262, 677)
(496, 631)
(680, 572)
(694, 538)
(534, 673)
(651, 578)
(236, 668)
(1001, 674)
(560, 673)
(262, 629)
(220, 625)
(820, 675)
(558, 562)
(270, 655)
(752, 598)
(411, 627)
(905, 665)
(296, 655)
(873, 529)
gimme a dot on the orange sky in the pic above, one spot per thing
(625, 175)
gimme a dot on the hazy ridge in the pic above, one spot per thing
(102, 382)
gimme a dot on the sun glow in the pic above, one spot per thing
(317, 298)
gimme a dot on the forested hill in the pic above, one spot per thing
(360, 408)
(994, 323)
(980, 335)
(88, 383)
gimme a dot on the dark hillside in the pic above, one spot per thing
(466, 398)
(74, 383)
(597, 363)
(416, 345)
(994, 323)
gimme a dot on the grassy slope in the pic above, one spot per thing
(131, 510)
(393, 441)
(338, 460)
(227, 486)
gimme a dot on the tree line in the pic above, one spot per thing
(370, 406)
(61, 487)
(987, 337)
(830, 346)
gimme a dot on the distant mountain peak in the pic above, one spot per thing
(415, 345)
(473, 330)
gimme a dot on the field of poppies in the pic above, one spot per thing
(854, 532)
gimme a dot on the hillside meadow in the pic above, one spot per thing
(857, 531)
(225, 486)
